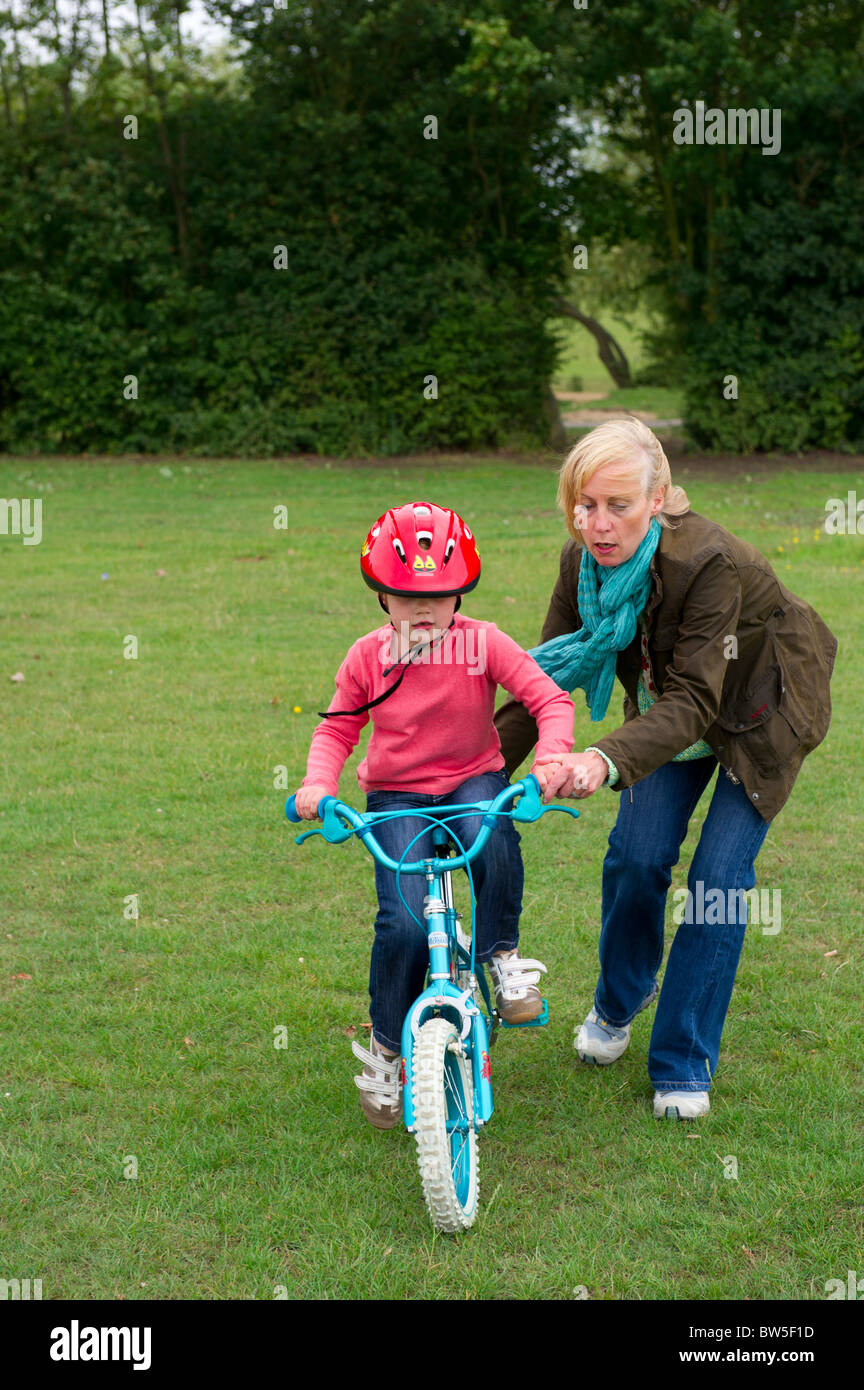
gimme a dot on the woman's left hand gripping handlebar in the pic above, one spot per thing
(570, 774)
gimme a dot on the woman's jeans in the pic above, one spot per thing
(400, 954)
(700, 972)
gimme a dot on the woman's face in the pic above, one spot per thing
(613, 513)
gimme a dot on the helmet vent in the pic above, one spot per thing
(424, 539)
(451, 546)
(400, 549)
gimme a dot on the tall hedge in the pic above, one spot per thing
(405, 258)
(759, 256)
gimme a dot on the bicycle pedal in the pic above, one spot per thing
(538, 1022)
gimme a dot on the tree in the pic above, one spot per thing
(756, 255)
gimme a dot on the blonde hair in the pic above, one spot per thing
(619, 441)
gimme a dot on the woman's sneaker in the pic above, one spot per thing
(680, 1105)
(379, 1083)
(598, 1043)
(515, 982)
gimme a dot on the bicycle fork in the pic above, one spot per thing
(443, 998)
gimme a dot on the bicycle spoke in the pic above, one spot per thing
(456, 1164)
(458, 1125)
(454, 1092)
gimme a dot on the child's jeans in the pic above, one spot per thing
(400, 955)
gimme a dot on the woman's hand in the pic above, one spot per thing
(570, 774)
(307, 799)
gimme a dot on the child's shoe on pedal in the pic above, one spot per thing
(515, 981)
(379, 1083)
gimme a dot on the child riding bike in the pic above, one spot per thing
(433, 743)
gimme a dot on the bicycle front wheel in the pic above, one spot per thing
(444, 1126)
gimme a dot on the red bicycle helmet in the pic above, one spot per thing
(420, 549)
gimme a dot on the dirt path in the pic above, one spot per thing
(576, 409)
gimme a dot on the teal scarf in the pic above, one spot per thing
(610, 601)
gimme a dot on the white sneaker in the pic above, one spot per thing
(680, 1105)
(517, 997)
(379, 1083)
(598, 1043)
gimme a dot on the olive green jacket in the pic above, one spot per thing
(736, 658)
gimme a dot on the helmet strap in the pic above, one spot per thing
(404, 661)
(408, 657)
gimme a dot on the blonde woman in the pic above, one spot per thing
(723, 670)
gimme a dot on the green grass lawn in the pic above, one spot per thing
(148, 1045)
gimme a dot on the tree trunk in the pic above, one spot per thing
(22, 80)
(7, 100)
(175, 181)
(658, 151)
(608, 350)
(557, 432)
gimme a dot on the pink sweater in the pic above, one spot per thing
(436, 731)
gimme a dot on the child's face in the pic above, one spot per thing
(420, 618)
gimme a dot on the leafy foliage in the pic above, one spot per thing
(757, 257)
(282, 259)
(282, 267)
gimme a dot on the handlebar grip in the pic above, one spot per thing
(291, 808)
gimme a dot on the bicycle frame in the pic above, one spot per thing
(442, 997)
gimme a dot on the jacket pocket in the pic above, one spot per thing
(765, 724)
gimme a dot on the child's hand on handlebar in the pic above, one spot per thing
(571, 774)
(306, 801)
(550, 775)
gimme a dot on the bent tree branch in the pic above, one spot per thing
(608, 350)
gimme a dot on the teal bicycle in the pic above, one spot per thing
(451, 1026)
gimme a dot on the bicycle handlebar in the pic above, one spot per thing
(341, 821)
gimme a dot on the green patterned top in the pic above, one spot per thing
(646, 694)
